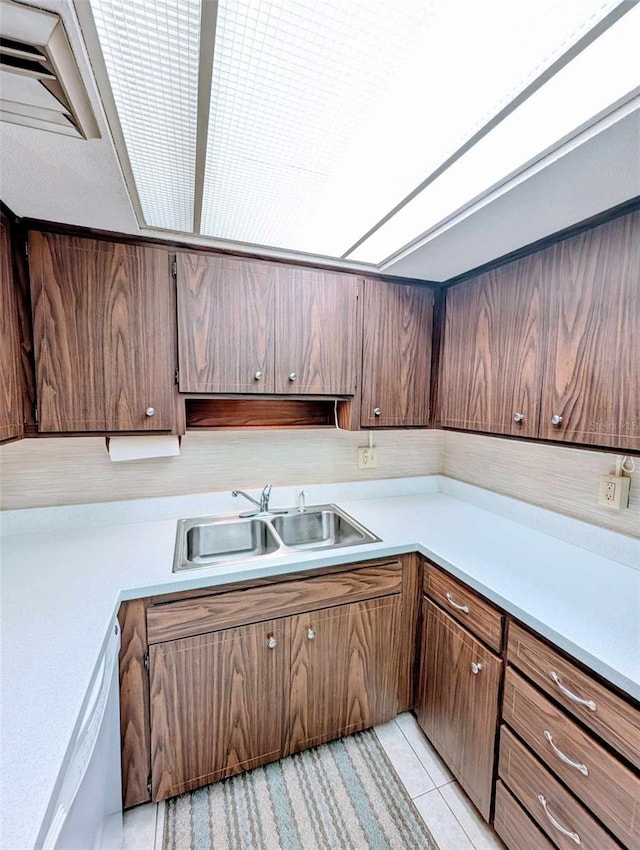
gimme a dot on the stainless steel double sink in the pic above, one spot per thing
(211, 541)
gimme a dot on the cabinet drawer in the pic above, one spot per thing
(172, 620)
(610, 716)
(557, 812)
(514, 826)
(467, 607)
(608, 788)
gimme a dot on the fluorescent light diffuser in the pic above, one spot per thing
(602, 75)
(325, 115)
(151, 52)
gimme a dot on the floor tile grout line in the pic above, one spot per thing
(459, 821)
(435, 785)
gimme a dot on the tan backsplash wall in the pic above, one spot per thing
(62, 471)
(555, 477)
(66, 471)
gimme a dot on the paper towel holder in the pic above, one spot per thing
(107, 440)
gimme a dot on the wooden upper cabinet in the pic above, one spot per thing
(315, 332)
(225, 324)
(11, 401)
(493, 349)
(592, 379)
(256, 327)
(396, 354)
(103, 316)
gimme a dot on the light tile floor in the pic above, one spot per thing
(452, 820)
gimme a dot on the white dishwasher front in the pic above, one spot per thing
(87, 813)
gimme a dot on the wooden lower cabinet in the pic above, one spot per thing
(514, 826)
(218, 705)
(233, 699)
(457, 702)
(344, 670)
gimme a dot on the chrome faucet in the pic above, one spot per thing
(262, 505)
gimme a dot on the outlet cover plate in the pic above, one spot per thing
(614, 491)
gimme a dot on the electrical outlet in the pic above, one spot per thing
(367, 457)
(614, 491)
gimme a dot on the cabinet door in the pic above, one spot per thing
(492, 351)
(225, 324)
(344, 670)
(102, 324)
(218, 705)
(11, 404)
(396, 354)
(457, 702)
(593, 375)
(315, 332)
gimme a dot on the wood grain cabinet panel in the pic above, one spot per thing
(103, 315)
(11, 399)
(614, 719)
(493, 349)
(396, 355)
(218, 705)
(225, 324)
(315, 327)
(593, 375)
(457, 702)
(344, 670)
(564, 820)
(608, 788)
(477, 615)
(514, 826)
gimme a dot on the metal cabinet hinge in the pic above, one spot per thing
(176, 377)
(174, 268)
(149, 785)
(26, 248)
(35, 413)
(146, 660)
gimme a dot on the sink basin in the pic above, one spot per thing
(211, 541)
(319, 529)
(229, 539)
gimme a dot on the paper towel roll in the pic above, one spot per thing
(139, 448)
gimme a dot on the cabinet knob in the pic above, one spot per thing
(376, 411)
(518, 417)
(555, 419)
(311, 634)
(150, 411)
(272, 642)
(293, 376)
(258, 375)
(476, 667)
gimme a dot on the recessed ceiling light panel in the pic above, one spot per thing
(325, 115)
(151, 52)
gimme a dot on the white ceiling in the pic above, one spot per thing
(62, 179)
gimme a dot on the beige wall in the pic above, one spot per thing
(65, 471)
(561, 478)
(59, 471)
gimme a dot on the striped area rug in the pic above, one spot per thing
(344, 794)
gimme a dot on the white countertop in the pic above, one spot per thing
(62, 585)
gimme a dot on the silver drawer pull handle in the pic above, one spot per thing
(463, 608)
(272, 642)
(311, 634)
(581, 767)
(476, 667)
(572, 835)
(588, 703)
